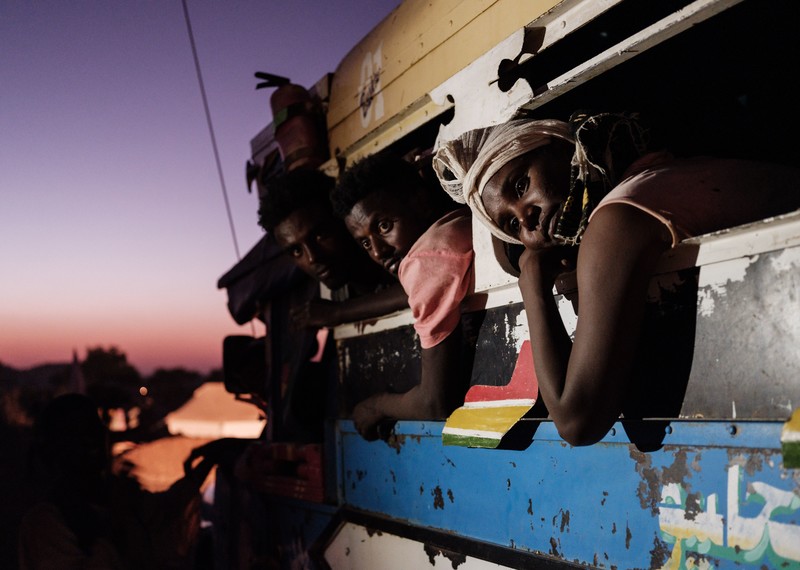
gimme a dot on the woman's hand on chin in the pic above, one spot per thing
(539, 268)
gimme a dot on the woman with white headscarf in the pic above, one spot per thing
(540, 183)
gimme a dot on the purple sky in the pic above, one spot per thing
(113, 228)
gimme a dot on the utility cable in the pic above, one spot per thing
(213, 138)
(211, 129)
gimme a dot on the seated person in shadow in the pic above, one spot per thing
(93, 518)
(427, 245)
(588, 195)
(72, 526)
(297, 211)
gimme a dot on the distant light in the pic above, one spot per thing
(119, 420)
(143, 391)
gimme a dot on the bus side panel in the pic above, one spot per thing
(714, 495)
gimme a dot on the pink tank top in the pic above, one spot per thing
(695, 196)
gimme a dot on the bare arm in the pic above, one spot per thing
(583, 383)
(324, 313)
(437, 394)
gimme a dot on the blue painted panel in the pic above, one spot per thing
(715, 493)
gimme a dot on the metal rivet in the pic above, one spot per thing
(613, 431)
(668, 430)
(732, 430)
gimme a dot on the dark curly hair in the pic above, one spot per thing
(381, 172)
(290, 192)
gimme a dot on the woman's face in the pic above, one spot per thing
(525, 197)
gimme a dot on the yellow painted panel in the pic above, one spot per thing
(494, 419)
(420, 45)
(412, 30)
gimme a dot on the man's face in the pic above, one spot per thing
(386, 226)
(318, 243)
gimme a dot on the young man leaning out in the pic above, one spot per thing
(297, 211)
(394, 216)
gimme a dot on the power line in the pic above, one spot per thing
(211, 128)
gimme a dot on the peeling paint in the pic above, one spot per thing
(628, 537)
(395, 441)
(750, 462)
(530, 507)
(715, 278)
(568, 314)
(438, 499)
(660, 553)
(678, 471)
(450, 495)
(786, 260)
(649, 489)
(564, 520)
(692, 506)
(456, 559)
(696, 462)
(517, 332)
(554, 546)
(346, 355)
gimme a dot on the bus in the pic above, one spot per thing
(707, 477)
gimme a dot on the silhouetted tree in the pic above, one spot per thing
(110, 380)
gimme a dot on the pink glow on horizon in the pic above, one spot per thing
(113, 230)
(150, 340)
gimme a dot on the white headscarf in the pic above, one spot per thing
(466, 164)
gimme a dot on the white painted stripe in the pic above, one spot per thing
(651, 36)
(500, 403)
(790, 437)
(473, 433)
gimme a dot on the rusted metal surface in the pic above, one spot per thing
(387, 361)
(713, 495)
(361, 540)
(748, 332)
(390, 360)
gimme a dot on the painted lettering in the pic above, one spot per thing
(370, 97)
(694, 526)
